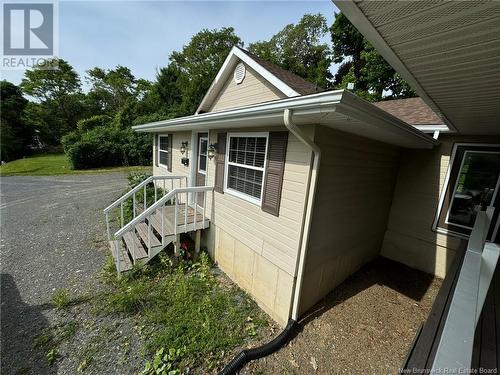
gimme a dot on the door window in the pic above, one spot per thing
(202, 155)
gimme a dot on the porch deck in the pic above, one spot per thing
(486, 349)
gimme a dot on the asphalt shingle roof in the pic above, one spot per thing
(413, 111)
(299, 84)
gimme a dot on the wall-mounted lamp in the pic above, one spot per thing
(183, 147)
(211, 151)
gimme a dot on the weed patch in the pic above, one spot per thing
(184, 309)
(60, 299)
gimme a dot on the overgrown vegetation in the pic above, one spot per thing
(187, 317)
(181, 316)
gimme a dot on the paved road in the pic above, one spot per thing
(51, 230)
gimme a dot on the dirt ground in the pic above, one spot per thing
(365, 326)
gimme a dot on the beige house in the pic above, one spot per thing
(292, 190)
(303, 182)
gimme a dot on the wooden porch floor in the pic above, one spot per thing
(136, 242)
(486, 350)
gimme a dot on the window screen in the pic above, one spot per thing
(245, 171)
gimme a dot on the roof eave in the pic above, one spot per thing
(271, 114)
(365, 27)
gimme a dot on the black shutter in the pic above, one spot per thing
(276, 155)
(170, 136)
(220, 160)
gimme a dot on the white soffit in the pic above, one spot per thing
(449, 52)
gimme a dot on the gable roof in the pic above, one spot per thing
(299, 84)
(286, 82)
(413, 111)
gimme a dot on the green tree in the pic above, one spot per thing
(198, 63)
(299, 49)
(362, 65)
(16, 134)
(112, 89)
(57, 98)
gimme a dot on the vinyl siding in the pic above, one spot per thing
(254, 89)
(256, 249)
(352, 203)
(410, 238)
(275, 238)
(177, 168)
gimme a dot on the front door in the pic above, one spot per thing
(201, 164)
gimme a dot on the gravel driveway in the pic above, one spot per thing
(50, 227)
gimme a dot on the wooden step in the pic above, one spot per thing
(143, 231)
(168, 227)
(125, 262)
(138, 251)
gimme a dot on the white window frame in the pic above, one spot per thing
(237, 193)
(160, 150)
(200, 139)
(442, 195)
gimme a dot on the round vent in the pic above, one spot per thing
(239, 73)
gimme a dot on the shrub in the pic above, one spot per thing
(107, 146)
(92, 122)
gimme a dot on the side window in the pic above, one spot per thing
(163, 150)
(473, 181)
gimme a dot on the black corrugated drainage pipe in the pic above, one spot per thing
(248, 355)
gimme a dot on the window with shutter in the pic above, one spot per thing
(275, 168)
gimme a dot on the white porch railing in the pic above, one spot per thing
(454, 352)
(175, 199)
(158, 182)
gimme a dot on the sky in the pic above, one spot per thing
(142, 34)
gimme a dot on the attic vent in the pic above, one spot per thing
(239, 73)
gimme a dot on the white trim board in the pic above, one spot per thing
(226, 71)
(331, 108)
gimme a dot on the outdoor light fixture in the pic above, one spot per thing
(183, 147)
(211, 151)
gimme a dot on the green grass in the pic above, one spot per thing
(53, 164)
(60, 298)
(186, 313)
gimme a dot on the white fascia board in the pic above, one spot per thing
(225, 72)
(302, 103)
(365, 27)
(271, 78)
(432, 128)
(271, 114)
(360, 109)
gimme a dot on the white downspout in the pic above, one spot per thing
(310, 193)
